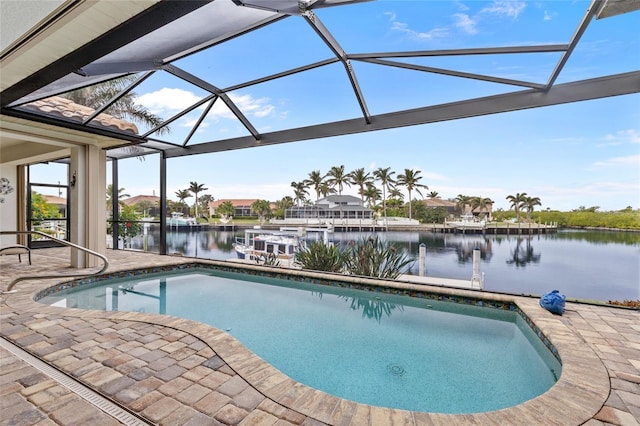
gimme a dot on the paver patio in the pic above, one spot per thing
(174, 371)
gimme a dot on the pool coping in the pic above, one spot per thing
(577, 397)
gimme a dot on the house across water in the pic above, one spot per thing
(332, 209)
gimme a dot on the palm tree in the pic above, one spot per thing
(262, 208)
(183, 194)
(372, 194)
(433, 194)
(336, 178)
(300, 192)
(110, 195)
(385, 176)
(326, 189)
(196, 187)
(484, 203)
(395, 192)
(411, 180)
(124, 108)
(529, 204)
(282, 206)
(360, 178)
(462, 201)
(517, 202)
(315, 181)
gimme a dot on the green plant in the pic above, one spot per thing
(268, 259)
(129, 223)
(373, 257)
(321, 257)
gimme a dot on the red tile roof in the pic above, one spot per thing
(58, 106)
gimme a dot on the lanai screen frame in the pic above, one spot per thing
(112, 56)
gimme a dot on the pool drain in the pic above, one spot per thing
(396, 370)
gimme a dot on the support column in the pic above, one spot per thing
(87, 183)
(21, 205)
(163, 203)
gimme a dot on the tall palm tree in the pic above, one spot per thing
(183, 194)
(372, 194)
(361, 179)
(337, 178)
(529, 204)
(300, 192)
(410, 179)
(517, 202)
(124, 108)
(315, 181)
(385, 176)
(196, 187)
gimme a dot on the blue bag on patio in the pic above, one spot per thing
(553, 302)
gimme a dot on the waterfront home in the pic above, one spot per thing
(331, 208)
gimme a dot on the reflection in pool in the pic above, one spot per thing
(376, 348)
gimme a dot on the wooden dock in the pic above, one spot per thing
(493, 228)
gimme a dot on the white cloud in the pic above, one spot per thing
(462, 21)
(465, 23)
(418, 35)
(168, 101)
(619, 161)
(629, 135)
(505, 8)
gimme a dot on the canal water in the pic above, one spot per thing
(591, 265)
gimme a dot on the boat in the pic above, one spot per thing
(259, 243)
(467, 221)
(178, 219)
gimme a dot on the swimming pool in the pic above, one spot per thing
(414, 353)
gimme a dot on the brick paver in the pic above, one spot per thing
(169, 372)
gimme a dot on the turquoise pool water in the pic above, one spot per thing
(375, 348)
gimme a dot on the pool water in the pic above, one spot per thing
(374, 348)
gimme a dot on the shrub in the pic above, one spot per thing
(373, 257)
(321, 257)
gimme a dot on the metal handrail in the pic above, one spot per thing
(63, 242)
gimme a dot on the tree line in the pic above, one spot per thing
(381, 190)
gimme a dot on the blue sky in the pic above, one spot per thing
(582, 154)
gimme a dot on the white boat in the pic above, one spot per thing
(258, 243)
(467, 221)
(178, 219)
